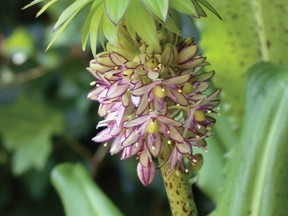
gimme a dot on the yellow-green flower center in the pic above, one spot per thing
(199, 115)
(153, 126)
(187, 88)
(151, 63)
(160, 92)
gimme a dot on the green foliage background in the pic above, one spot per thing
(45, 118)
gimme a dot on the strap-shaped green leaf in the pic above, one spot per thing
(256, 175)
(45, 7)
(94, 27)
(31, 4)
(58, 33)
(210, 7)
(76, 6)
(171, 26)
(143, 23)
(115, 9)
(184, 6)
(159, 8)
(86, 27)
(79, 194)
(110, 31)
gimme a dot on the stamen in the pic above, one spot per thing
(169, 142)
(163, 90)
(115, 68)
(179, 90)
(168, 132)
(197, 137)
(198, 126)
(153, 148)
(93, 83)
(136, 144)
(186, 170)
(178, 105)
(105, 144)
(208, 111)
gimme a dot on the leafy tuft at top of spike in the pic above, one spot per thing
(140, 17)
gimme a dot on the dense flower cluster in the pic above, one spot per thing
(151, 100)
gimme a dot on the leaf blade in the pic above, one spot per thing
(115, 9)
(261, 194)
(158, 8)
(79, 194)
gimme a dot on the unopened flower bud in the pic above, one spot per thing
(187, 88)
(199, 115)
(197, 162)
(151, 63)
(169, 54)
(160, 92)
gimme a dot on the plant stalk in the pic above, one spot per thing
(178, 189)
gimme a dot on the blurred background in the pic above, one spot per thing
(46, 119)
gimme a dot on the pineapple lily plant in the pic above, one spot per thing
(155, 93)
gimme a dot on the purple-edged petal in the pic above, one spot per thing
(103, 136)
(178, 80)
(184, 148)
(132, 138)
(146, 173)
(203, 86)
(145, 157)
(144, 89)
(143, 104)
(116, 90)
(154, 144)
(177, 97)
(187, 53)
(174, 158)
(168, 121)
(175, 135)
(115, 146)
(131, 151)
(138, 121)
(118, 59)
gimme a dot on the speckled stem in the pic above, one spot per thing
(179, 190)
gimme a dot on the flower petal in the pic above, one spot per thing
(168, 121)
(144, 89)
(137, 121)
(154, 144)
(146, 173)
(103, 136)
(178, 80)
(118, 59)
(116, 90)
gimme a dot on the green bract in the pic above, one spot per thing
(138, 16)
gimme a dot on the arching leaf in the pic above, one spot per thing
(143, 23)
(115, 9)
(159, 8)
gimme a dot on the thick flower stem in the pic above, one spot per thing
(179, 191)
